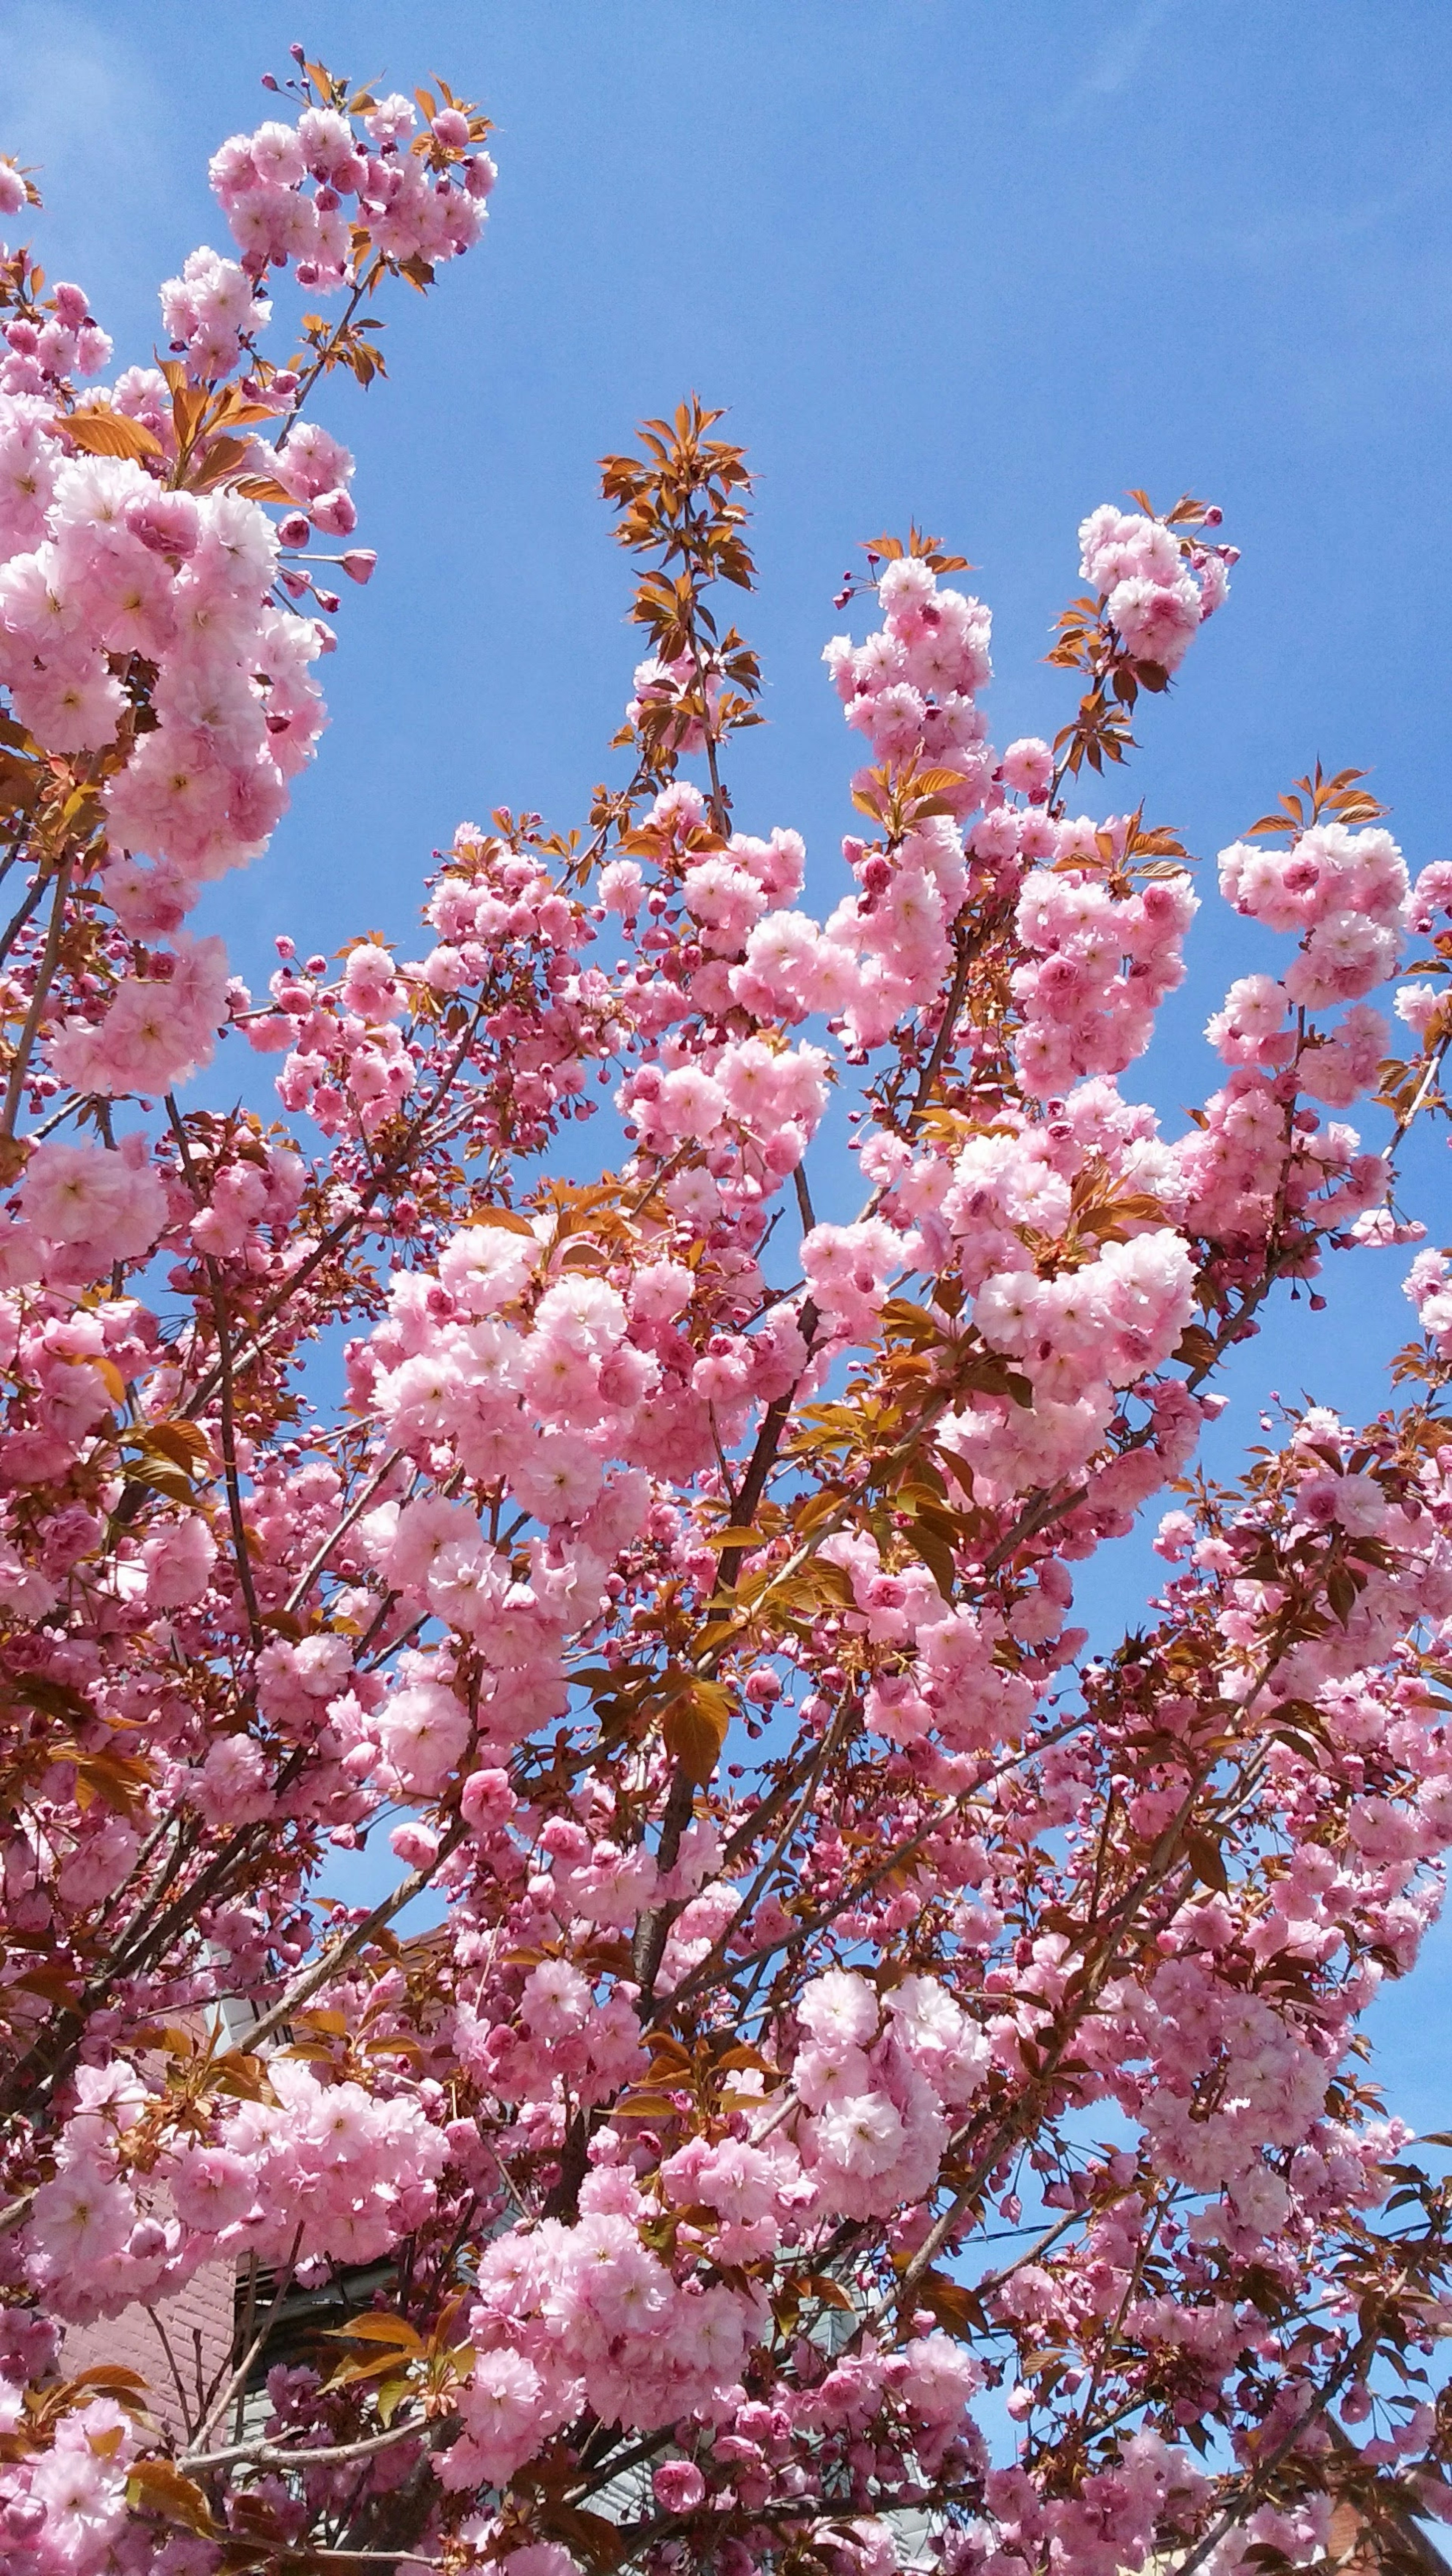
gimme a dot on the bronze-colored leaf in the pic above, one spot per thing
(951, 2302)
(936, 1555)
(182, 1442)
(1207, 1861)
(155, 2486)
(694, 1723)
(1342, 1588)
(109, 433)
(827, 2292)
(507, 1219)
(373, 2327)
(643, 2104)
(221, 457)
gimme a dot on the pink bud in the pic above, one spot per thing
(359, 564)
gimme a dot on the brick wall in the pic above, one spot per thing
(198, 2327)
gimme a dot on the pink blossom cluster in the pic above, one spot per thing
(1427, 1287)
(80, 1208)
(1110, 2523)
(1344, 892)
(146, 626)
(158, 1028)
(286, 192)
(1156, 589)
(912, 687)
(59, 339)
(876, 953)
(587, 2313)
(108, 566)
(92, 2243)
(353, 2171)
(1257, 1150)
(1100, 965)
(210, 311)
(67, 2514)
(1348, 895)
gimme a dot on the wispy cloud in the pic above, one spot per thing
(1291, 233)
(1116, 59)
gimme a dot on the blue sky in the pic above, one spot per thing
(977, 263)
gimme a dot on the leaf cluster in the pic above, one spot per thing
(1341, 798)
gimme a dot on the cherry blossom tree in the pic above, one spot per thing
(881, 2079)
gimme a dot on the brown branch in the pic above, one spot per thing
(270, 2455)
(240, 1545)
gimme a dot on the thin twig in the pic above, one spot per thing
(20, 917)
(165, 2341)
(50, 959)
(309, 1576)
(352, 1941)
